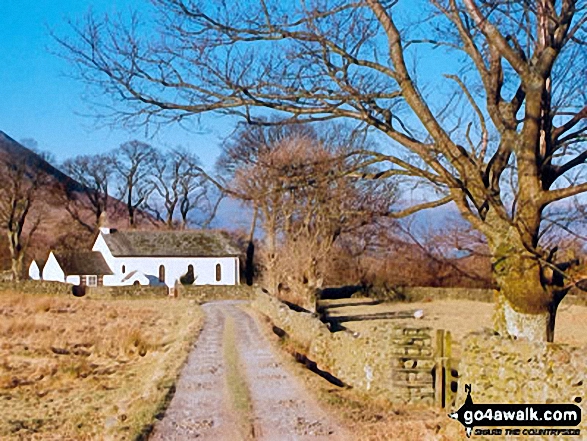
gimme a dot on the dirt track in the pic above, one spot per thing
(203, 406)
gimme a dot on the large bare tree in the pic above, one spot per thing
(298, 184)
(511, 106)
(133, 166)
(23, 183)
(183, 194)
(263, 165)
(86, 205)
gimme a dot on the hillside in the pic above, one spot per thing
(57, 228)
(13, 151)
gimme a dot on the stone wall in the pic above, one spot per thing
(415, 293)
(511, 371)
(59, 288)
(36, 287)
(200, 293)
(420, 294)
(207, 293)
(388, 361)
(137, 291)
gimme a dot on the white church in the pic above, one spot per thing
(156, 258)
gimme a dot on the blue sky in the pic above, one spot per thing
(38, 100)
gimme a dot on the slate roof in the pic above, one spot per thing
(188, 243)
(90, 263)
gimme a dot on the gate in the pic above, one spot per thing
(445, 370)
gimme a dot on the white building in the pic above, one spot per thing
(121, 258)
(35, 269)
(81, 268)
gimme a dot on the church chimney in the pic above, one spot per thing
(103, 222)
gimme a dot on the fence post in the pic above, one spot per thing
(447, 348)
(438, 368)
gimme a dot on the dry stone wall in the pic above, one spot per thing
(511, 371)
(420, 294)
(388, 361)
(207, 293)
(132, 291)
(200, 293)
(36, 287)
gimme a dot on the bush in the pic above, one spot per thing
(188, 278)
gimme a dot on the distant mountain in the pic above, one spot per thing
(13, 151)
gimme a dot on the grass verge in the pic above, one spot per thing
(78, 368)
(236, 382)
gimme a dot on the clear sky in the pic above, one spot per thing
(38, 100)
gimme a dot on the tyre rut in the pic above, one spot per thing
(201, 407)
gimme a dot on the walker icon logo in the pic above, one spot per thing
(471, 415)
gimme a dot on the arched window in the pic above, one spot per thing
(162, 274)
(218, 272)
(123, 269)
(190, 269)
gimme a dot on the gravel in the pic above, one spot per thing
(201, 409)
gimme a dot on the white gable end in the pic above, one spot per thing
(34, 271)
(52, 270)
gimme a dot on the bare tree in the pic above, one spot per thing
(182, 189)
(256, 156)
(306, 202)
(22, 182)
(95, 174)
(133, 167)
(511, 105)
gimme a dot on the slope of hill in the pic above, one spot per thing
(57, 229)
(13, 151)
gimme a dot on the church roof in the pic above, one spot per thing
(185, 243)
(89, 263)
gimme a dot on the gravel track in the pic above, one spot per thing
(201, 407)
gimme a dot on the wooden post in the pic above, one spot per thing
(438, 377)
(447, 349)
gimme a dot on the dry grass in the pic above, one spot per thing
(463, 316)
(236, 382)
(76, 368)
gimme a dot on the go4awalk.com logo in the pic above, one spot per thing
(508, 419)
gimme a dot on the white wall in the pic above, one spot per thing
(52, 271)
(175, 267)
(75, 280)
(34, 272)
(137, 277)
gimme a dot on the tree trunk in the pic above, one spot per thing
(534, 326)
(16, 255)
(16, 268)
(250, 258)
(526, 307)
(250, 263)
